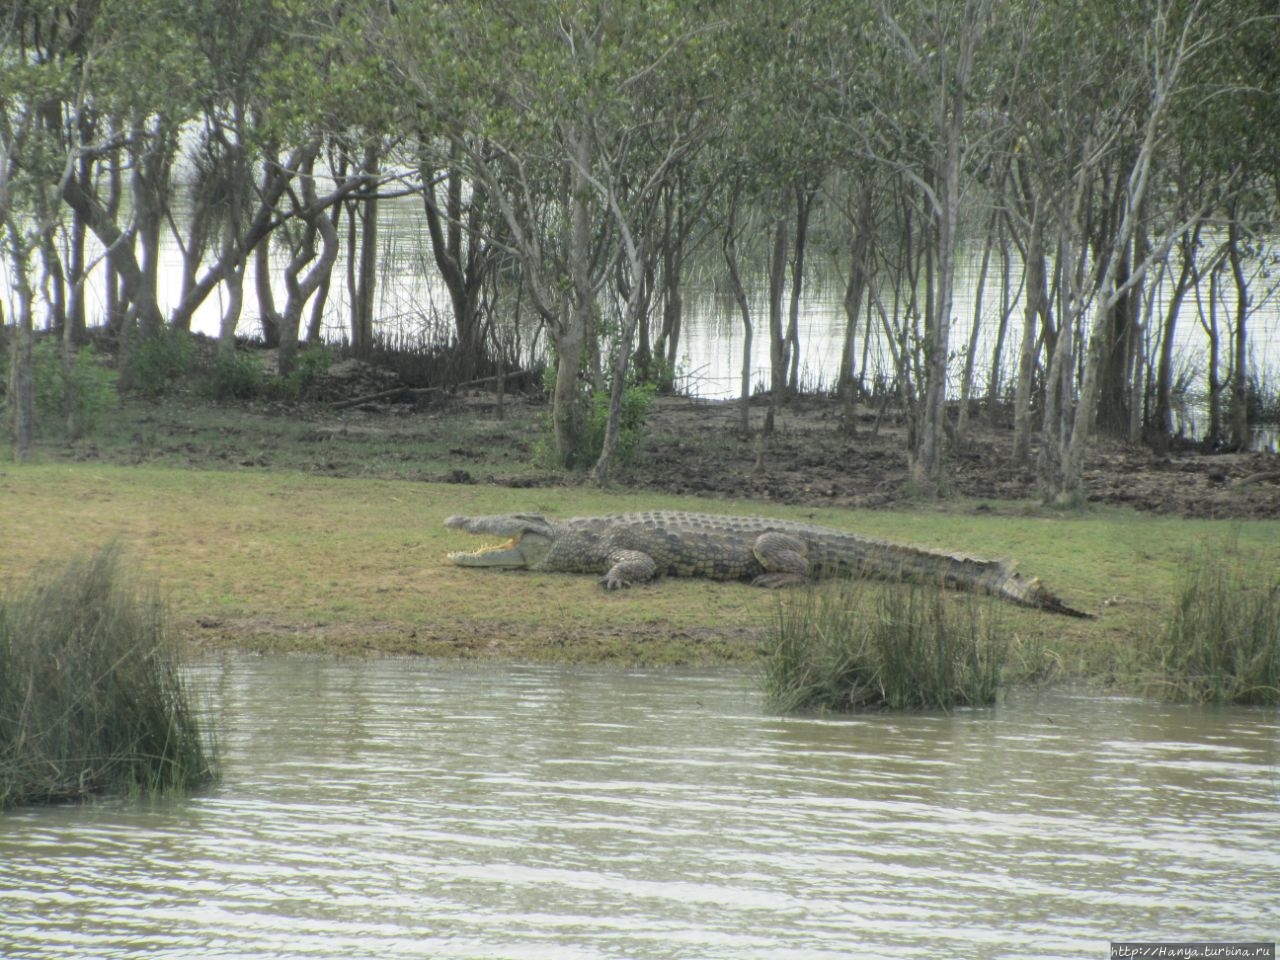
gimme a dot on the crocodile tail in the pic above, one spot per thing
(1032, 593)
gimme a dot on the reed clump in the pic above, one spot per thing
(91, 697)
(846, 646)
(1222, 641)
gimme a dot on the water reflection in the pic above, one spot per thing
(412, 809)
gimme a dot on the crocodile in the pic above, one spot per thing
(631, 548)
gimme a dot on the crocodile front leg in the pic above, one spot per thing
(783, 559)
(628, 567)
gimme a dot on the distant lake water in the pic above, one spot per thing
(412, 302)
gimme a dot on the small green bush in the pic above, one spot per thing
(233, 376)
(1222, 643)
(70, 398)
(150, 366)
(636, 400)
(594, 421)
(845, 646)
(309, 367)
(91, 696)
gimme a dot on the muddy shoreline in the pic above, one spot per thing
(694, 448)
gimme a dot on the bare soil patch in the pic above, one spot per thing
(693, 448)
(362, 421)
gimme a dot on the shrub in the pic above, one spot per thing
(845, 646)
(71, 397)
(1222, 643)
(636, 400)
(309, 367)
(91, 696)
(594, 420)
(151, 365)
(233, 376)
(312, 363)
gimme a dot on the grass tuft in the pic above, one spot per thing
(91, 697)
(1222, 642)
(851, 647)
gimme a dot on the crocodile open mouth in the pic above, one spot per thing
(486, 550)
(509, 553)
(527, 545)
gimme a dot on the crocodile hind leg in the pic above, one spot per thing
(783, 559)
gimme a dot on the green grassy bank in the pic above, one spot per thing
(286, 561)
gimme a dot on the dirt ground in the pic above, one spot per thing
(693, 447)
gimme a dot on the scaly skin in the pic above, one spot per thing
(635, 547)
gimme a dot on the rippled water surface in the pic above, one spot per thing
(416, 809)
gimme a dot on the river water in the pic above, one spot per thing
(406, 808)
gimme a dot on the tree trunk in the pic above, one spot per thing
(1213, 435)
(672, 314)
(633, 261)
(1068, 485)
(777, 339)
(570, 344)
(153, 164)
(1035, 309)
(364, 287)
(970, 356)
(804, 206)
(994, 383)
(730, 248)
(855, 292)
(927, 468)
(267, 312)
(461, 259)
(1060, 376)
(235, 250)
(120, 256)
(199, 227)
(562, 318)
(77, 324)
(75, 332)
(1161, 420)
(300, 291)
(231, 313)
(902, 328)
(21, 373)
(1118, 326)
(315, 324)
(238, 242)
(116, 302)
(1240, 379)
(675, 236)
(642, 352)
(576, 312)
(54, 283)
(1117, 275)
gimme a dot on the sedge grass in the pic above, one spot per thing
(91, 697)
(1222, 641)
(852, 647)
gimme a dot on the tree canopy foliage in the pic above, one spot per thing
(574, 156)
